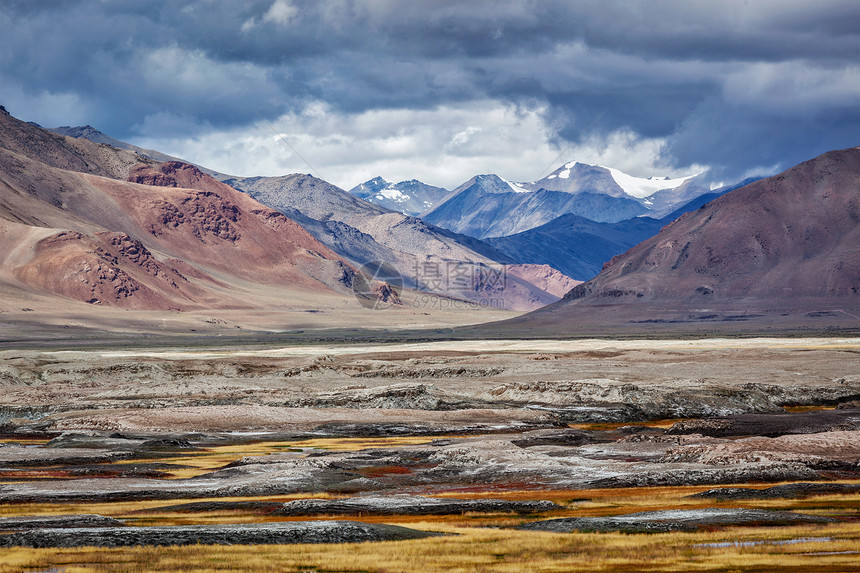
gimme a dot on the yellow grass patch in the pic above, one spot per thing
(24, 441)
(483, 550)
(478, 542)
(210, 459)
(663, 424)
(795, 409)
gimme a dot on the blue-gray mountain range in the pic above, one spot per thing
(579, 247)
(489, 206)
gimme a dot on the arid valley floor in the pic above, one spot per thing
(582, 455)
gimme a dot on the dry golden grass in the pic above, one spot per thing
(615, 425)
(796, 409)
(130, 509)
(24, 441)
(210, 459)
(482, 550)
(479, 542)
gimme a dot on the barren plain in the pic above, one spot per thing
(460, 455)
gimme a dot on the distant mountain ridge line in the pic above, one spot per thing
(365, 233)
(415, 198)
(357, 230)
(526, 206)
(579, 247)
(488, 206)
(780, 253)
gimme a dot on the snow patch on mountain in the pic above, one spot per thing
(638, 187)
(641, 187)
(514, 187)
(392, 194)
(565, 173)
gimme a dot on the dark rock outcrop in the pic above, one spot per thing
(784, 491)
(771, 425)
(239, 534)
(28, 522)
(674, 520)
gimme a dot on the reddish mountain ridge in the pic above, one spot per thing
(75, 222)
(782, 249)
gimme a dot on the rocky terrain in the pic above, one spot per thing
(785, 491)
(497, 416)
(255, 534)
(673, 520)
(410, 505)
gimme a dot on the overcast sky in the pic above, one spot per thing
(441, 91)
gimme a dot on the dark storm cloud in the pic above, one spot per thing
(674, 69)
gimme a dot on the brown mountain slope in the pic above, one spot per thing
(105, 240)
(781, 250)
(545, 277)
(222, 229)
(63, 152)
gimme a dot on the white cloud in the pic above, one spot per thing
(461, 138)
(443, 146)
(280, 13)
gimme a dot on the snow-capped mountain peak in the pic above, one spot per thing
(409, 197)
(641, 187)
(638, 187)
(372, 186)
